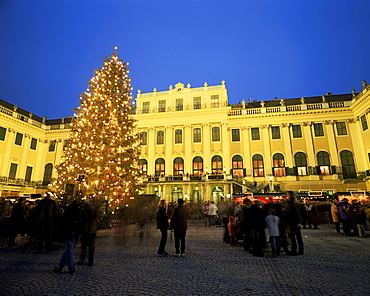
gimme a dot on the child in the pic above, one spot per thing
(273, 222)
(231, 227)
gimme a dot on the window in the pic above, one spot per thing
(257, 161)
(159, 167)
(217, 164)
(47, 174)
(341, 128)
(255, 131)
(279, 165)
(197, 103)
(323, 161)
(18, 139)
(197, 166)
(348, 165)
(237, 163)
(275, 132)
(28, 175)
(216, 134)
(300, 160)
(318, 129)
(178, 136)
(143, 138)
(146, 108)
(160, 137)
(179, 104)
(297, 131)
(13, 170)
(66, 143)
(33, 144)
(235, 135)
(364, 122)
(162, 106)
(2, 133)
(178, 166)
(215, 102)
(52, 145)
(197, 135)
(143, 166)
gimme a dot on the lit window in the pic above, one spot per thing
(257, 161)
(279, 165)
(301, 163)
(178, 166)
(159, 166)
(143, 166)
(323, 162)
(237, 163)
(217, 164)
(197, 166)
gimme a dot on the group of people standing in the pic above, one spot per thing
(283, 221)
(178, 224)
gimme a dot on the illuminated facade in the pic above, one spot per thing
(195, 145)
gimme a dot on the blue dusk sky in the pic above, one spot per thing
(262, 48)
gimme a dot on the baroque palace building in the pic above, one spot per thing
(197, 146)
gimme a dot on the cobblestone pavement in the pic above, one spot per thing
(126, 264)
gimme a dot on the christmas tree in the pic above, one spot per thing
(102, 151)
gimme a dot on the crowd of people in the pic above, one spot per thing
(44, 222)
(276, 222)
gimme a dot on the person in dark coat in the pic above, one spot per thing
(17, 224)
(293, 222)
(245, 225)
(72, 224)
(257, 222)
(179, 224)
(91, 215)
(46, 209)
(162, 225)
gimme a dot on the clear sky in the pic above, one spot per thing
(261, 48)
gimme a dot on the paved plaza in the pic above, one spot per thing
(126, 264)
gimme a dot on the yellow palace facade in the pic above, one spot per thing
(197, 146)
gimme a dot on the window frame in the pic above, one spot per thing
(179, 104)
(197, 103)
(178, 136)
(18, 139)
(215, 101)
(161, 106)
(296, 131)
(216, 134)
(160, 137)
(197, 135)
(258, 165)
(197, 166)
(364, 124)
(275, 132)
(255, 134)
(318, 132)
(145, 108)
(143, 138)
(33, 144)
(341, 130)
(235, 137)
(3, 131)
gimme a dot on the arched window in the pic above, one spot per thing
(348, 164)
(237, 163)
(178, 166)
(323, 162)
(197, 166)
(143, 166)
(300, 160)
(217, 164)
(257, 161)
(279, 165)
(159, 166)
(48, 171)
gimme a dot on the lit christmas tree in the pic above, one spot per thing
(103, 149)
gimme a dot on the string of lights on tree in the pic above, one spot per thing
(103, 146)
